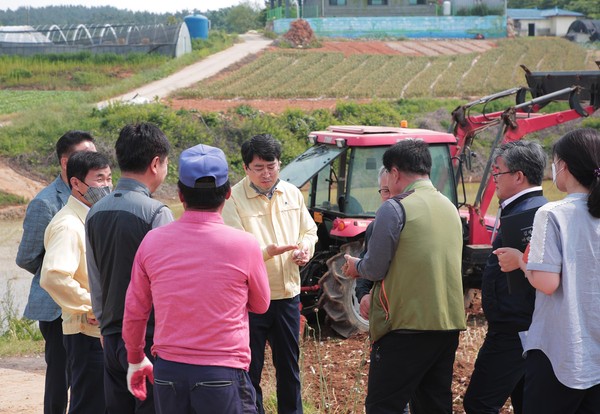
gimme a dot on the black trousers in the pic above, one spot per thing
(499, 373)
(545, 394)
(184, 388)
(412, 366)
(118, 398)
(280, 325)
(86, 361)
(57, 374)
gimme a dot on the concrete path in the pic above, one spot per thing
(252, 43)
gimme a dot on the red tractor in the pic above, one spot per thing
(339, 174)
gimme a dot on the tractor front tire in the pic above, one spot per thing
(338, 297)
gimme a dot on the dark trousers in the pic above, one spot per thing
(118, 398)
(57, 374)
(86, 362)
(412, 366)
(184, 388)
(499, 373)
(545, 394)
(280, 325)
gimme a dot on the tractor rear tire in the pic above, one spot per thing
(338, 297)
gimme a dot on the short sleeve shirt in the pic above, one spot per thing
(566, 324)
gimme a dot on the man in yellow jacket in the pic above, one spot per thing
(64, 276)
(275, 213)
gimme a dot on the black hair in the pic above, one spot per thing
(65, 144)
(580, 150)
(137, 146)
(409, 155)
(204, 198)
(81, 162)
(525, 156)
(263, 146)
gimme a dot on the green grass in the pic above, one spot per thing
(31, 82)
(31, 101)
(19, 336)
(77, 71)
(11, 199)
(20, 347)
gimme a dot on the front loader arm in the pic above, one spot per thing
(514, 123)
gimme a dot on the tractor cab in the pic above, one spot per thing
(339, 174)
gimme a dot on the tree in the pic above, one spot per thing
(242, 18)
(591, 8)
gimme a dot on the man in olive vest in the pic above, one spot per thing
(414, 258)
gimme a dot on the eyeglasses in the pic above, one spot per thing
(271, 168)
(383, 191)
(495, 176)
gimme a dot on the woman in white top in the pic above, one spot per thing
(563, 344)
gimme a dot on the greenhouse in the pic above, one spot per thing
(170, 40)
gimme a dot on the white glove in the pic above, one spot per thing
(136, 378)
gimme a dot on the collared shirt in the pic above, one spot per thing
(40, 211)
(566, 324)
(200, 291)
(509, 200)
(64, 269)
(281, 220)
(268, 193)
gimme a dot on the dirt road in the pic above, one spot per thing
(252, 43)
(22, 390)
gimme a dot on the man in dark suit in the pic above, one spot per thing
(500, 367)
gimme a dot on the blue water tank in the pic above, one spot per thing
(198, 26)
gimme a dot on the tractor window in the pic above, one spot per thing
(361, 196)
(345, 179)
(327, 188)
(307, 165)
(442, 175)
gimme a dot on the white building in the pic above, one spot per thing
(534, 22)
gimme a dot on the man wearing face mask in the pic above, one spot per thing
(40, 306)
(64, 276)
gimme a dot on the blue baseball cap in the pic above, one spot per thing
(203, 161)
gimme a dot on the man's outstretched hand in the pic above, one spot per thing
(136, 378)
(276, 250)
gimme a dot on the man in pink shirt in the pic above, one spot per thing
(202, 278)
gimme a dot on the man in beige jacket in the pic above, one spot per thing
(64, 276)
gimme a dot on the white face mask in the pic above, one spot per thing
(555, 173)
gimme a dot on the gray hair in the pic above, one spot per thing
(525, 156)
(382, 171)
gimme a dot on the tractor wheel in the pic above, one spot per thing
(338, 297)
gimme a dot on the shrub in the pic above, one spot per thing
(300, 35)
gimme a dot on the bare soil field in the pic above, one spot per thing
(408, 47)
(334, 372)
